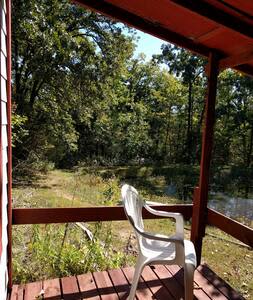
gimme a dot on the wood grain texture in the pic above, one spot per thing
(239, 231)
(32, 290)
(168, 280)
(156, 286)
(142, 292)
(219, 283)
(87, 287)
(14, 292)
(120, 283)
(105, 286)
(209, 289)
(217, 15)
(145, 25)
(70, 288)
(20, 295)
(52, 289)
(199, 214)
(178, 274)
(23, 216)
(157, 282)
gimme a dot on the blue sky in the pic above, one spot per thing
(148, 45)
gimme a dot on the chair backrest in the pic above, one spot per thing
(133, 205)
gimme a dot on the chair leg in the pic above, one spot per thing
(188, 281)
(137, 273)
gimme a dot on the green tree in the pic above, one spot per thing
(65, 63)
(189, 69)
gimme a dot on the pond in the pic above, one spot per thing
(236, 208)
(233, 207)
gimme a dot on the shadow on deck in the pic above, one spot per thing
(157, 282)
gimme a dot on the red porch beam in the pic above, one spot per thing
(199, 214)
(147, 26)
(21, 216)
(165, 34)
(246, 69)
(217, 15)
(235, 60)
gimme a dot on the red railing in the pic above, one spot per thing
(21, 216)
(239, 231)
(87, 214)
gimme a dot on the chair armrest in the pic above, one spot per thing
(160, 212)
(159, 237)
(177, 216)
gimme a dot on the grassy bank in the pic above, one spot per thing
(47, 251)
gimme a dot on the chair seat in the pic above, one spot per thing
(165, 251)
(157, 250)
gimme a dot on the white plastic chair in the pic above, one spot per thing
(157, 248)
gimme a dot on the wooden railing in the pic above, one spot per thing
(86, 214)
(239, 231)
(21, 216)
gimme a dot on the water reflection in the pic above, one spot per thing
(235, 208)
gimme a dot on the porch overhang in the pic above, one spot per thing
(224, 27)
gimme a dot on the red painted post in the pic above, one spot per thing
(199, 215)
(9, 170)
(1, 184)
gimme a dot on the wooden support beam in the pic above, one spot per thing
(210, 34)
(120, 14)
(236, 60)
(246, 69)
(199, 218)
(9, 133)
(217, 15)
(23, 216)
(239, 231)
(147, 26)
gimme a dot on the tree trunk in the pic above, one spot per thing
(167, 133)
(189, 126)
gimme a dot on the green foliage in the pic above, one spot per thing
(111, 191)
(189, 68)
(18, 128)
(49, 253)
(102, 255)
(80, 96)
(64, 58)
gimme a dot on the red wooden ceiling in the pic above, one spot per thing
(224, 26)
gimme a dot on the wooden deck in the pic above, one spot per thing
(157, 282)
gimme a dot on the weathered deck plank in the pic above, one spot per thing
(178, 274)
(157, 282)
(120, 283)
(52, 289)
(170, 282)
(20, 295)
(220, 284)
(209, 289)
(70, 290)
(14, 294)
(105, 286)
(87, 287)
(142, 292)
(32, 290)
